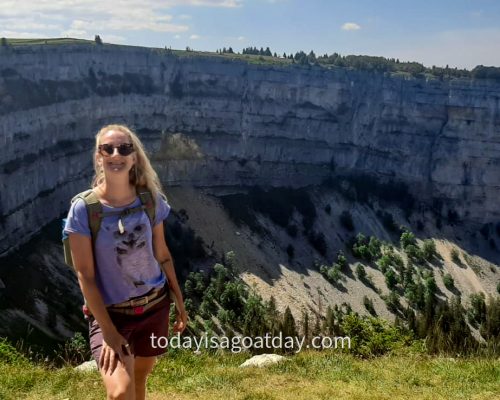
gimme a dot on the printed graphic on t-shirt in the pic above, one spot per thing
(131, 253)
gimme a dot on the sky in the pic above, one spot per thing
(458, 33)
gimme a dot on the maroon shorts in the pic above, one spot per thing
(136, 329)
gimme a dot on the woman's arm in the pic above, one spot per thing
(164, 258)
(83, 260)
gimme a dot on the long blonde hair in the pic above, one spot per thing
(141, 174)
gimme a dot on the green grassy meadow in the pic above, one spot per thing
(307, 375)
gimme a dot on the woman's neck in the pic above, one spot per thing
(117, 193)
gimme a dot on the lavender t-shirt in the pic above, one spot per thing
(125, 263)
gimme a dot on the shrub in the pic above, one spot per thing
(392, 302)
(76, 350)
(390, 278)
(331, 274)
(98, 39)
(407, 238)
(415, 253)
(455, 256)
(390, 259)
(372, 336)
(361, 272)
(366, 249)
(429, 249)
(448, 281)
(9, 354)
(476, 314)
(368, 303)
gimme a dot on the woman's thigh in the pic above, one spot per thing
(121, 383)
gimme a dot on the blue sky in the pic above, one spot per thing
(461, 33)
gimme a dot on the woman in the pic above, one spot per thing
(124, 270)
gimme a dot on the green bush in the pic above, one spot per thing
(368, 303)
(361, 272)
(448, 281)
(407, 238)
(429, 249)
(455, 256)
(9, 354)
(372, 336)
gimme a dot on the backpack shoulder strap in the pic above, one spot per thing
(94, 211)
(148, 202)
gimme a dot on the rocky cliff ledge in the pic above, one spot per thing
(211, 121)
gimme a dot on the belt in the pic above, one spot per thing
(139, 305)
(136, 306)
(140, 301)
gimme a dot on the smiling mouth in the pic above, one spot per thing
(116, 166)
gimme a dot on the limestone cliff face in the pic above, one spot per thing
(211, 121)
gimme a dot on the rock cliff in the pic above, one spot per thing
(212, 121)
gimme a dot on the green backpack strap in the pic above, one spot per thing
(94, 211)
(148, 203)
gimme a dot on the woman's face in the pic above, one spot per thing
(112, 162)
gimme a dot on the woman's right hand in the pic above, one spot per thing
(114, 349)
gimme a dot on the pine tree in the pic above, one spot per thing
(305, 326)
(288, 327)
(272, 316)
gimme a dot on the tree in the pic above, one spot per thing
(361, 272)
(272, 316)
(254, 321)
(98, 39)
(407, 238)
(4, 42)
(448, 281)
(288, 327)
(429, 249)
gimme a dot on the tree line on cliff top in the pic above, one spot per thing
(373, 63)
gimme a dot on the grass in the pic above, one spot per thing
(21, 42)
(308, 375)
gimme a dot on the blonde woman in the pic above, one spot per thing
(125, 271)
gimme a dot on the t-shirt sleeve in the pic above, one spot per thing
(77, 220)
(162, 209)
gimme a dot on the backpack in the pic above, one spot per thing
(95, 215)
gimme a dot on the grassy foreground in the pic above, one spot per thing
(307, 375)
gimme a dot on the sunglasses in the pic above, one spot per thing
(124, 149)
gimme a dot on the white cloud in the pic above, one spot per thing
(210, 3)
(194, 37)
(241, 38)
(177, 36)
(184, 16)
(350, 26)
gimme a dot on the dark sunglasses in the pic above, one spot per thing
(124, 149)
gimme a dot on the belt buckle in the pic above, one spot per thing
(135, 303)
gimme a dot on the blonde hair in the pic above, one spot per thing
(141, 174)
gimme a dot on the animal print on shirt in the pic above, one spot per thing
(132, 253)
